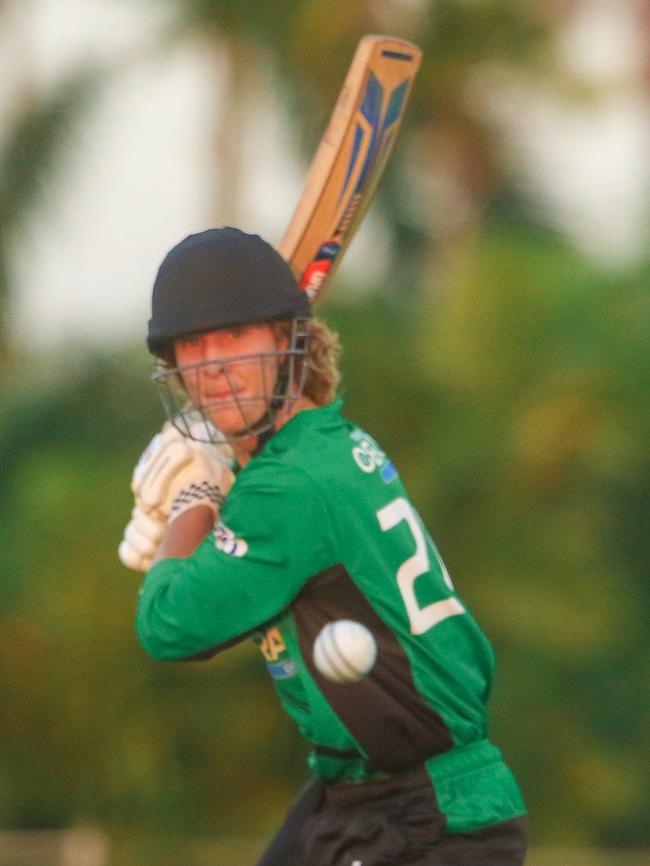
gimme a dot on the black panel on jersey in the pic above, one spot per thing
(383, 711)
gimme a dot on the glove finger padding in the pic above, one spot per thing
(161, 461)
(132, 559)
(144, 533)
(175, 473)
(141, 539)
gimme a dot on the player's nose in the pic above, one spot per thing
(213, 368)
(213, 353)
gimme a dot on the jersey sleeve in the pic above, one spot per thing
(274, 534)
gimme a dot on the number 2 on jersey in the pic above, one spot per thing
(421, 619)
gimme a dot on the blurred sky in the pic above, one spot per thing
(142, 176)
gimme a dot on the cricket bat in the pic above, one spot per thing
(350, 159)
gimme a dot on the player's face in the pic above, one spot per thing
(232, 373)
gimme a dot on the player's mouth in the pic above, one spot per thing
(226, 395)
(219, 397)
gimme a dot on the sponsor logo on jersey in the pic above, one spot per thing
(388, 472)
(368, 456)
(226, 540)
(282, 670)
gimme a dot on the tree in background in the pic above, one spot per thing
(527, 457)
(39, 138)
(449, 165)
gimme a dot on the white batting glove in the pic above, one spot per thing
(176, 473)
(142, 536)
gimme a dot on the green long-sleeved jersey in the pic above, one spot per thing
(319, 527)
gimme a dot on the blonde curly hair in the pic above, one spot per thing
(322, 373)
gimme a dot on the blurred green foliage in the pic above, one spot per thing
(36, 144)
(504, 373)
(512, 400)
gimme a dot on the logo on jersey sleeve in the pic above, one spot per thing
(274, 650)
(369, 457)
(226, 540)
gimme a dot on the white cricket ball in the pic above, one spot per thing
(344, 651)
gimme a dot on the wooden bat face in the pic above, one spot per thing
(350, 159)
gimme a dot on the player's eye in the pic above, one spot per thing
(239, 331)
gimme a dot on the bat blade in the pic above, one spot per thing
(350, 159)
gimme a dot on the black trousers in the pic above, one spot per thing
(391, 822)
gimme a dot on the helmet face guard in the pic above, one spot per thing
(281, 374)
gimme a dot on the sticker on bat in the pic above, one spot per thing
(318, 270)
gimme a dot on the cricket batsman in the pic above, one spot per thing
(262, 513)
